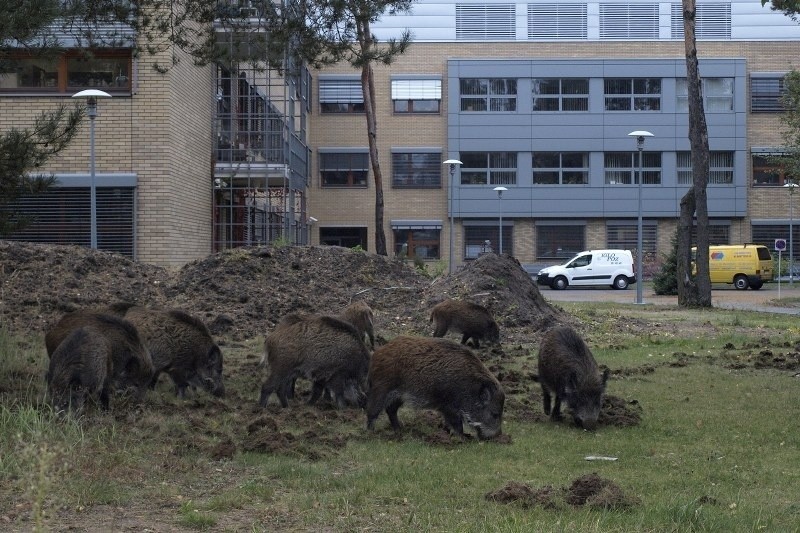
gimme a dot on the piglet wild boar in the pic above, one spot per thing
(435, 374)
(470, 319)
(80, 367)
(131, 361)
(568, 370)
(360, 315)
(323, 349)
(181, 346)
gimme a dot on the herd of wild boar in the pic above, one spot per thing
(126, 347)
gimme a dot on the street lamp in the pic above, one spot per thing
(640, 135)
(499, 191)
(91, 96)
(453, 164)
(791, 186)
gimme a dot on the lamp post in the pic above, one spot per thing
(640, 135)
(91, 96)
(499, 191)
(791, 186)
(452, 164)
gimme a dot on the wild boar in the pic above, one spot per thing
(568, 370)
(323, 349)
(360, 315)
(182, 347)
(80, 367)
(435, 374)
(131, 360)
(470, 319)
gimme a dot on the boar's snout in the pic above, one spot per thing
(215, 388)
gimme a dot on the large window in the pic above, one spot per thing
(416, 170)
(768, 171)
(560, 168)
(349, 237)
(717, 94)
(341, 95)
(486, 239)
(622, 168)
(493, 94)
(422, 242)
(417, 95)
(489, 168)
(344, 169)
(637, 94)
(720, 166)
(766, 93)
(551, 94)
(107, 70)
(624, 235)
(767, 233)
(559, 241)
(717, 233)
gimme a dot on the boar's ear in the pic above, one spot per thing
(606, 372)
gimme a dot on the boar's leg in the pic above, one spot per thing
(391, 411)
(556, 415)
(440, 329)
(453, 421)
(317, 389)
(273, 384)
(546, 398)
(104, 398)
(374, 408)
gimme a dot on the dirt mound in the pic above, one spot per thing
(243, 292)
(589, 489)
(618, 412)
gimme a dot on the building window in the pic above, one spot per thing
(421, 242)
(560, 168)
(486, 22)
(637, 94)
(769, 172)
(341, 95)
(717, 94)
(557, 21)
(348, 237)
(766, 94)
(416, 96)
(712, 21)
(628, 21)
(71, 72)
(552, 94)
(480, 239)
(344, 169)
(488, 168)
(416, 170)
(720, 168)
(625, 236)
(622, 168)
(493, 94)
(767, 233)
(559, 241)
(717, 233)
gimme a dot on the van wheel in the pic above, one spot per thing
(757, 285)
(560, 283)
(740, 282)
(621, 283)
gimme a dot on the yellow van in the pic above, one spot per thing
(743, 265)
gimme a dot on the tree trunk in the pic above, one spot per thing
(694, 291)
(368, 86)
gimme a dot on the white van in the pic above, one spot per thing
(591, 268)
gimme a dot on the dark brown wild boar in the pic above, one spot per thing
(360, 315)
(182, 347)
(80, 367)
(568, 371)
(470, 319)
(435, 374)
(132, 362)
(323, 349)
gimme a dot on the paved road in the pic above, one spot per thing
(767, 299)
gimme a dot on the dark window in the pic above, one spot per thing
(560, 168)
(720, 168)
(637, 94)
(560, 94)
(717, 234)
(492, 94)
(766, 94)
(422, 243)
(625, 236)
(344, 169)
(488, 168)
(769, 172)
(72, 71)
(555, 242)
(341, 95)
(767, 233)
(347, 237)
(486, 239)
(416, 95)
(416, 170)
(622, 168)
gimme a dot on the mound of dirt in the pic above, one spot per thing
(245, 291)
(620, 413)
(589, 489)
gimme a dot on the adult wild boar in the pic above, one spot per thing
(470, 319)
(182, 347)
(323, 349)
(435, 374)
(568, 370)
(131, 360)
(80, 367)
(360, 315)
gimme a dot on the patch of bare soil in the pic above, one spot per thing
(589, 489)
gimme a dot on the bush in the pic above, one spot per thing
(665, 282)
